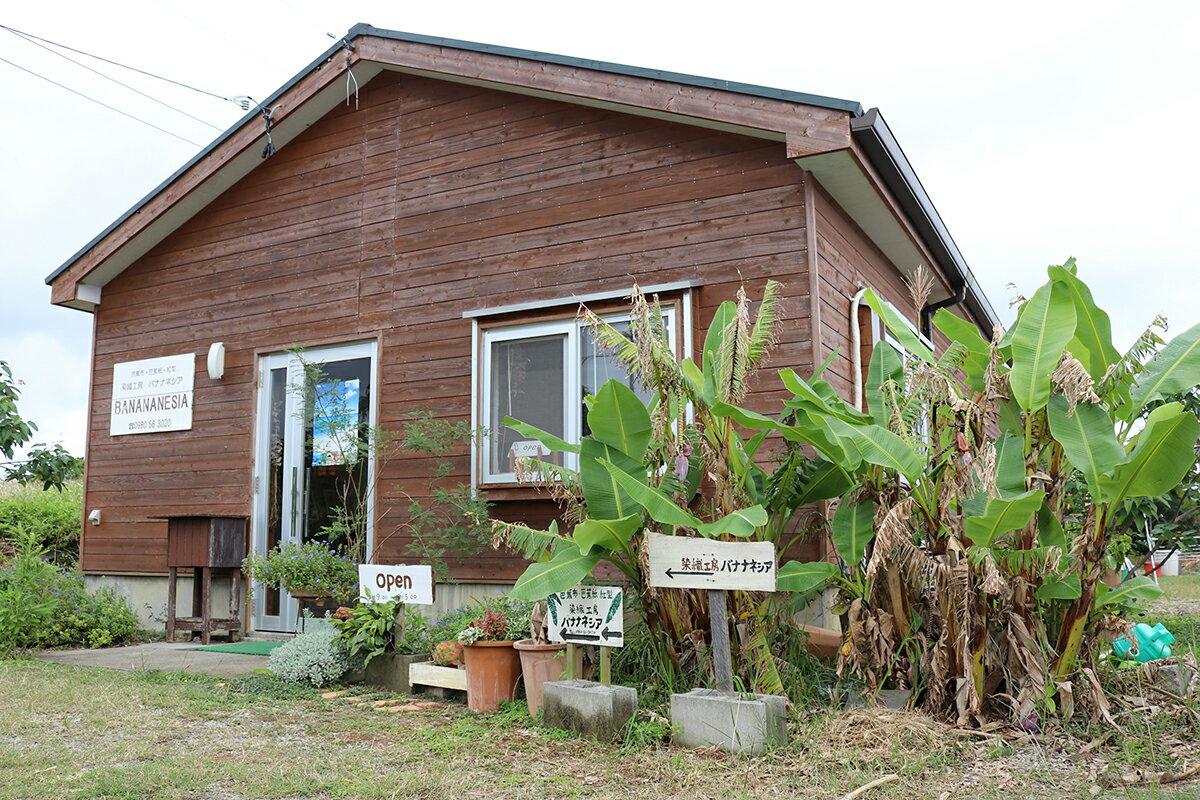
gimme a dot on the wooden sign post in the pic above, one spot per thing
(588, 615)
(689, 562)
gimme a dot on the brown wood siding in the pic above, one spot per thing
(389, 222)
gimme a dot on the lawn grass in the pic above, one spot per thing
(1181, 587)
(76, 733)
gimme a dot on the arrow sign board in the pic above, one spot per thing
(380, 583)
(587, 615)
(690, 562)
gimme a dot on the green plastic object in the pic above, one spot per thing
(1151, 643)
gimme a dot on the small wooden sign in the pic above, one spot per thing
(691, 562)
(379, 583)
(587, 615)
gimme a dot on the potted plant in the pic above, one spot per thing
(389, 639)
(542, 660)
(493, 665)
(309, 571)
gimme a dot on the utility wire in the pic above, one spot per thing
(98, 102)
(236, 101)
(31, 40)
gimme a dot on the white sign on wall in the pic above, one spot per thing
(691, 562)
(379, 583)
(587, 615)
(153, 395)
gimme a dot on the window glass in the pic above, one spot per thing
(526, 383)
(598, 366)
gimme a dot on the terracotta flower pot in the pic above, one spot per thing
(542, 663)
(493, 669)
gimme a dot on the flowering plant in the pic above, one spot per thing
(310, 568)
(448, 653)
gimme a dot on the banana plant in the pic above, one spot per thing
(641, 467)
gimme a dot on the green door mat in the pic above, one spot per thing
(245, 648)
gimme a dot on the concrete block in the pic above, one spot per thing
(390, 671)
(589, 709)
(734, 722)
(1175, 678)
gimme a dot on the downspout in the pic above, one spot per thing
(928, 311)
(856, 348)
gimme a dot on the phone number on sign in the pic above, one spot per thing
(148, 424)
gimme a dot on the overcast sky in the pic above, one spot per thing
(1039, 130)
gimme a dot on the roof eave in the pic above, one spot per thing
(873, 135)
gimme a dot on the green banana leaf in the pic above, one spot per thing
(619, 419)
(741, 523)
(881, 447)
(1010, 465)
(1093, 330)
(1175, 368)
(1050, 529)
(549, 439)
(606, 534)
(1088, 438)
(823, 481)
(604, 497)
(1060, 587)
(658, 505)
(1164, 452)
(967, 334)
(797, 576)
(885, 365)
(853, 527)
(899, 327)
(1001, 516)
(564, 571)
(1139, 588)
(1039, 338)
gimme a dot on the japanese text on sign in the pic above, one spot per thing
(587, 615)
(152, 395)
(689, 562)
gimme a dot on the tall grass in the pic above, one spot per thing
(53, 517)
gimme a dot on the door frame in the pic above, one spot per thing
(293, 444)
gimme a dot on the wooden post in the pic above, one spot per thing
(606, 666)
(398, 627)
(718, 617)
(570, 662)
(172, 579)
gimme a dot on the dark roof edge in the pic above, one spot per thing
(872, 133)
(820, 101)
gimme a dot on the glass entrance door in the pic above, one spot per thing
(312, 464)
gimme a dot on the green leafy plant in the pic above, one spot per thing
(310, 568)
(53, 518)
(371, 629)
(641, 467)
(959, 579)
(42, 606)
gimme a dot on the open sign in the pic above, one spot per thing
(378, 583)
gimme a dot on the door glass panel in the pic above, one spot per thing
(336, 456)
(275, 473)
(526, 384)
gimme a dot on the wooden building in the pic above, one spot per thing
(430, 237)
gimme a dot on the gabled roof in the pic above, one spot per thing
(853, 154)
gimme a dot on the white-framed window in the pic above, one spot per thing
(539, 373)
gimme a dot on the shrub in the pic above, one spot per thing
(41, 606)
(318, 658)
(52, 516)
